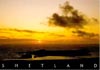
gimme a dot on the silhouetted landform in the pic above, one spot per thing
(16, 51)
(42, 53)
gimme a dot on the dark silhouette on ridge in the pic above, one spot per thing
(42, 53)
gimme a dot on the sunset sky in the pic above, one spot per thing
(28, 19)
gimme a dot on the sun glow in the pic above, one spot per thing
(39, 41)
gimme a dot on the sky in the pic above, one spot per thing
(33, 15)
(29, 13)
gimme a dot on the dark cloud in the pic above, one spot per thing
(58, 20)
(70, 17)
(85, 34)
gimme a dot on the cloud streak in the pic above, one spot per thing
(8, 33)
(81, 33)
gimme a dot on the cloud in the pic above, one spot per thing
(31, 31)
(59, 35)
(81, 33)
(13, 33)
(18, 30)
(70, 17)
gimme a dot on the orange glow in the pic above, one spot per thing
(39, 41)
(30, 17)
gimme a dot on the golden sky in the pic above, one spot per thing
(27, 19)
